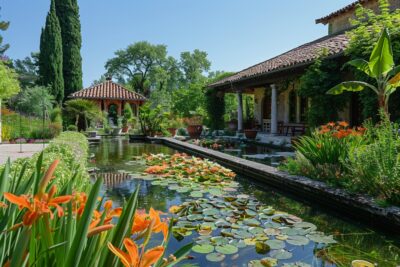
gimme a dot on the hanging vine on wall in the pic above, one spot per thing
(215, 106)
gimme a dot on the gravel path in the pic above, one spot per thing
(12, 151)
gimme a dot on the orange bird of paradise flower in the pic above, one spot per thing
(132, 258)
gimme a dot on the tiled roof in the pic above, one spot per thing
(307, 53)
(108, 90)
(347, 8)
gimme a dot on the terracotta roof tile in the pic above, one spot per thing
(347, 8)
(303, 54)
(108, 90)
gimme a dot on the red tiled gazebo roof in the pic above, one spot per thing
(299, 56)
(108, 90)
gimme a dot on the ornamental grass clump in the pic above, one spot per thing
(321, 155)
(43, 225)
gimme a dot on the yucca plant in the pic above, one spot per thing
(43, 226)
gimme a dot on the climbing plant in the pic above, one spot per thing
(215, 105)
(368, 25)
(321, 76)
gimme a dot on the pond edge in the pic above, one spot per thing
(360, 207)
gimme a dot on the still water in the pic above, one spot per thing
(112, 158)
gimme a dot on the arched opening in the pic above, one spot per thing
(113, 114)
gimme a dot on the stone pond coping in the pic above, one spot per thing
(360, 207)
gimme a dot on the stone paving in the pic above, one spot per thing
(12, 151)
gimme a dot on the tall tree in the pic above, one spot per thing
(68, 16)
(193, 65)
(51, 55)
(9, 85)
(3, 26)
(28, 70)
(136, 63)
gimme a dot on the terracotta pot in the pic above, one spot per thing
(125, 129)
(172, 131)
(194, 131)
(250, 133)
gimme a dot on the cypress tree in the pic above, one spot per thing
(68, 15)
(51, 55)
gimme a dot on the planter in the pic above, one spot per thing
(250, 133)
(92, 134)
(116, 131)
(125, 129)
(232, 125)
(172, 131)
(194, 131)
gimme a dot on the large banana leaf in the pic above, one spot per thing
(351, 86)
(381, 60)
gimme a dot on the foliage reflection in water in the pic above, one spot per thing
(113, 158)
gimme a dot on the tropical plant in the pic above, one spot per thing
(35, 101)
(9, 84)
(64, 227)
(215, 105)
(128, 115)
(83, 111)
(380, 67)
(152, 119)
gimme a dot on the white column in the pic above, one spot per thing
(240, 111)
(274, 111)
(298, 109)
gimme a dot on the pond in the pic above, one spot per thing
(113, 160)
(255, 152)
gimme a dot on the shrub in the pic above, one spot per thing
(72, 150)
(72, 128)
(375, 167)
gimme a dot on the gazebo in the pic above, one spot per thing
(110, 95)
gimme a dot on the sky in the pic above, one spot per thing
(235, 33)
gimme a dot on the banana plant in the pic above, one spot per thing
(380, 67)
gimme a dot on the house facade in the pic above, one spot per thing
(278, 109)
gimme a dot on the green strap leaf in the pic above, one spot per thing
(381, 60)
(361, 65)
(351, 86)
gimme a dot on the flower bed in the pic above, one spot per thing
(363, 160)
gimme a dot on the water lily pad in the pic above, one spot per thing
(215, 257)
(203, 248)
(297, 264)
(226, 249)
(305, 225)
(281, 254)
(275, 244)
(321, 238)
(195, 217)
(219, 240)
(215, 192)
(183, 190)
(265, 262)
(255, 230)
(251, 222)
(272, 231)
(298, 240)
(262, 248)
(196, 194)
(210, 212)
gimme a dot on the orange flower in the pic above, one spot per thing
(3, 205)
(99, 229)
(132, 258)
(38, 206)
(79, 202)
(319, 146)
(331, 124)
(142, 222)
(156, 169)
(343, 124)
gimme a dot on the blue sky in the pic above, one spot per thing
(234, 33)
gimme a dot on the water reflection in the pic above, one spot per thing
(113, 158)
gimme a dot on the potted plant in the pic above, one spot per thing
(173, 124)
(127, 117)
(250, 131)
(152, 119)
(194, 126)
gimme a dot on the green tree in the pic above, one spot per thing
(215, 105)
(83, 111)
(68, 15)
(193, 65)
(135, 64)
(3, 27)
(381, 68)
(34, 100)
(368, 25)
(187, 100)
(27, 70)
(51, 55)
(9, 85)
(322, 75)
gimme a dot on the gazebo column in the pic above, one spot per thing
(274, 110)
(240, 110)
(119, 105)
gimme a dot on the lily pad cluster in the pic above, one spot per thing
(223, 221)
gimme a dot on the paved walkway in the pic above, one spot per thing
(13, 151)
